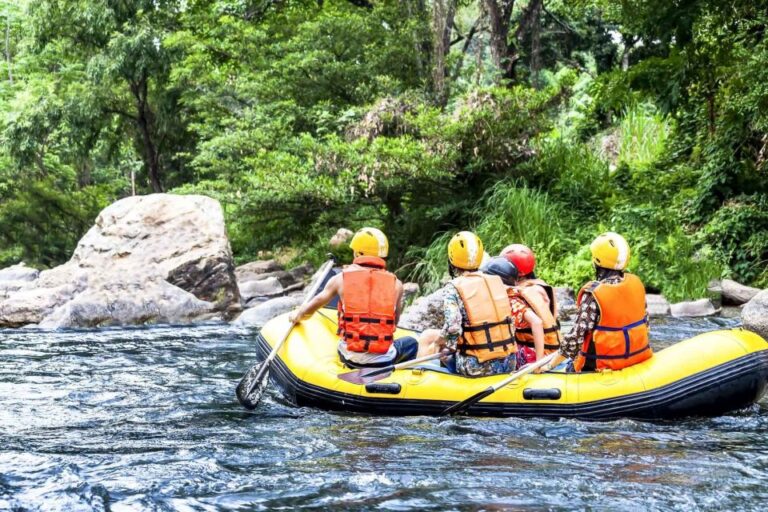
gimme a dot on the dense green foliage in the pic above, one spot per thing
(642, 116)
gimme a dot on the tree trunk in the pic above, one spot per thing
(628, 42)
(503, 52)
(443, 13)
(534, 26)
(144, 122)
(465, 48)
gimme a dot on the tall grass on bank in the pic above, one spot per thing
(643, 135)
(508, 213)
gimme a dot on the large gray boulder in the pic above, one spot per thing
(754, 315)
(115, 304)
(154, 258)
(736, 294)
(695, 308)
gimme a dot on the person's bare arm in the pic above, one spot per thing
(399, 293)
(537, 328)
(332, 288)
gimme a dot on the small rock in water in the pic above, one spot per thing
(425, 312)
(701, 307)
(261, 288)
(261, 314)
(566, 302)
(736, 294)
(254, 269)
(754, 315)
(657, 305)
(342, 236)
(410, 290)
(19, 272)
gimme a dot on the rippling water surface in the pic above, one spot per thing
(145, 419)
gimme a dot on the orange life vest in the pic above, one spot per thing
(488, 334)
(367, 311)
(620, 338)
(547, 313)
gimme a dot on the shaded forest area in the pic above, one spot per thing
(543, 122)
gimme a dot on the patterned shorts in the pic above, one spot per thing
(471, 367)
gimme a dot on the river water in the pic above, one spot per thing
(146, 419)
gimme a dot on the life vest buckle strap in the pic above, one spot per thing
(620, 356)
(627, 327)
(486, 325)
(463, 347)
(530, 344)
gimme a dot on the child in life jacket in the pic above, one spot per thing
(524, 316)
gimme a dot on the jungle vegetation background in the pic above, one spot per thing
(535, 121)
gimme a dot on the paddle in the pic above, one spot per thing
(255, 380)
(368, 375)
(462, 406)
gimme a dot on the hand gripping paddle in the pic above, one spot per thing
(254, 382)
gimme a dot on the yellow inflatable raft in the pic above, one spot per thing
(709, 374)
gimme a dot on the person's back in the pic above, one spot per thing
(539, 296)
(487, 332)
(368, 304)
(478, 326)
(370, 299)
(619, 338)
(611, 326)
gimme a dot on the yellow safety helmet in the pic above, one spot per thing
(370, 242)
(465, 251)
(610, 250)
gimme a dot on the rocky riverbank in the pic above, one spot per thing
(165, 258)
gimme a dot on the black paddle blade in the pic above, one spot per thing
(252, 386)
(466, 404)
(365, 376)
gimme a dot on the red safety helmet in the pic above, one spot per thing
(520, 256)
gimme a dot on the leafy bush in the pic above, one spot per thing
(738, 232)
(42, 224)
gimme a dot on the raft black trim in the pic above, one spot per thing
(720, 389)
(542, 394)
(386, 388)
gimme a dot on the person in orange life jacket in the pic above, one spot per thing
(370, 301)
(611, 327)
(524, 316)
(539, 296)
(478, 327)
